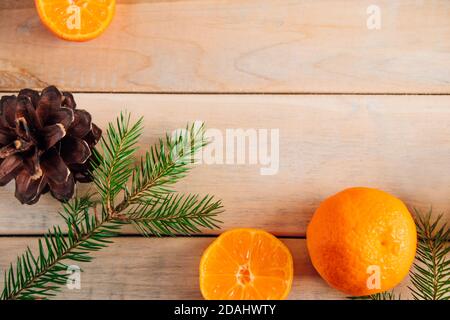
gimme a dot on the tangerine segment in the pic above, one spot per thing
(246, 264)
(76, 20)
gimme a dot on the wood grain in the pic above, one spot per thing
(400, 144)
(138, 268)
(236, 46)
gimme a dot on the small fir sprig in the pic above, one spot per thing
(387, 295)
(430, 276)
(150, 205)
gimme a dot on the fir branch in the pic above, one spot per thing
(175, 214)
(41, 276)
(387, 295)
(164, 164)
(114, 165)
(430, 277)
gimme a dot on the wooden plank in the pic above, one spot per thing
(237, 46)
(400, 144)
(167, 268)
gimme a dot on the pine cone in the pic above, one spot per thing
(45, 143)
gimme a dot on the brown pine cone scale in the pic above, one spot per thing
(45, 143)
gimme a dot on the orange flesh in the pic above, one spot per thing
(245, 264)
(76, 20)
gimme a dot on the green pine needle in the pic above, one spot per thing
(165, 164)
(387, 295)
(114, 165)
(175, 214)
(149, 205)
(430, 277)
(40, 276)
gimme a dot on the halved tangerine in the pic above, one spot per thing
(76, 20)
(246, 264)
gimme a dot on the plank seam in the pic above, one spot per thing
(250, 93)
(132, 235)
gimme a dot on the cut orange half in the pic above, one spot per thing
(246, 264)
(76, 20)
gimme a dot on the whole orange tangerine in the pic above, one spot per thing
(246, 264)
(362, 241)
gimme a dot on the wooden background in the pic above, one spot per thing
(353, 107)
